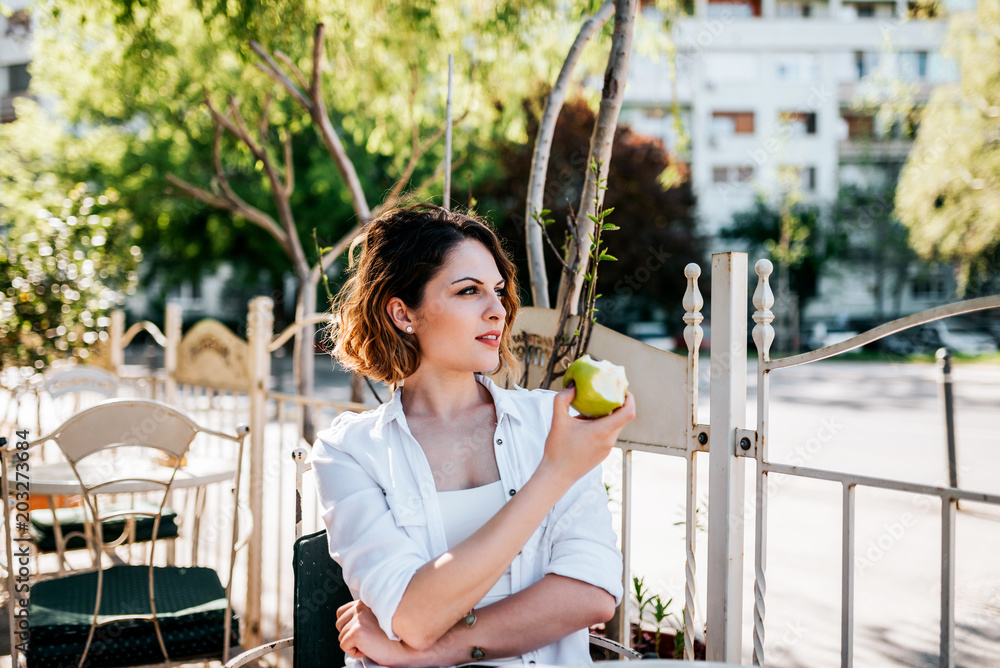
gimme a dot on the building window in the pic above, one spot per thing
(796, 67)
(792, 177)
(912, 65)
(859, 126)
(866, 10)
(740, 174)
(736, 9)
(18, 78)
(930, 286)
(726, 123)
(799, 122)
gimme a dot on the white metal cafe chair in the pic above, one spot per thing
(125, 614)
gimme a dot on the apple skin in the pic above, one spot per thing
(600, 386)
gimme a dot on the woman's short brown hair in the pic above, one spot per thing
(402, 250)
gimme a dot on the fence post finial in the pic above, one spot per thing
(763, 300)
(692, 303)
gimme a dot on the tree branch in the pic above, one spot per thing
(415, 157)
(289, 165)
(602, 141)
(329, 135)
(543, 148)
(299, 77)
(271, 69)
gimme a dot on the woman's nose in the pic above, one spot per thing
(496, 311)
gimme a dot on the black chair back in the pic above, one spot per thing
(319, 590)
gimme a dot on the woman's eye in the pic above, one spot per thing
(471, 290)
(502, 292)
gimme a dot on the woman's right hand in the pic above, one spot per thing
(576, 445)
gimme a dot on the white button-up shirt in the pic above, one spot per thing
(381, 509)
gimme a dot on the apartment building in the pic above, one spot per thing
(15, 35)
(772, 95)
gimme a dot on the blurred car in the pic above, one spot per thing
(823, 335)
(953, 333)
(652, 334)
(962, 337)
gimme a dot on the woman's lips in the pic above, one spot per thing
(493, 343)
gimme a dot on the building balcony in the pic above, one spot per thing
(855, 150)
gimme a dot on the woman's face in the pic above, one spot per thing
(459, 323)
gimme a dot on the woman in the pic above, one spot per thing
(470, 520)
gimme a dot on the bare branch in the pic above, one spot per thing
(272, 70)
(317, 109)
(390, 202)
(264, 119)
(200, 194)
(552, 245)
(299, 77)
(237, 203)
(415, 157)
(239, 132)
(543, 148)
(244, 133)
(335, 252)
(319, 42)
(289, 165)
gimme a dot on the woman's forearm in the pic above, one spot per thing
(446, 588)
(552, 608)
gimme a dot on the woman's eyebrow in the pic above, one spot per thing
(475, 280)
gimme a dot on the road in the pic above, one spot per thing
(883, 420)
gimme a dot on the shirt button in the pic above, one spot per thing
(512, 492)
(499, 441)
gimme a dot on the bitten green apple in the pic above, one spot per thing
(600, 385)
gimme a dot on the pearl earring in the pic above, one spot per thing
(409, 330)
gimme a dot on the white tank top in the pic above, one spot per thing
(464, 512)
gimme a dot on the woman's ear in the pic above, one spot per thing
(400, 315)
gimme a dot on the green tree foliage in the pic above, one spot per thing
(67, 252)
(66, 268)
(875, 242)
(807, 245)
(948, 191)
(658, 236)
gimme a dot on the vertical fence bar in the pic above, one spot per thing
(172, 325)
(847, 580)
(948, 507)
(763, 337)
(117, 336)
(260, 326)
(624, 627)
(726, 470)
(693, 334)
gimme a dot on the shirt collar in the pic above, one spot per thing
(502, 402)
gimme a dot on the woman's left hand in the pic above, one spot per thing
(361, 637)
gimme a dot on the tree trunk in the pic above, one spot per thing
(601, 142)
(543, 148)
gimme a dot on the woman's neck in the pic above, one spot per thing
(442, 396)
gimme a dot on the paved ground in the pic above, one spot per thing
(882, 420)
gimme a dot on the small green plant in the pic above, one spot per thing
(660, 615)
(641, 593)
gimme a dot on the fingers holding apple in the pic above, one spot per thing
(600, 386)
(578, 444)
